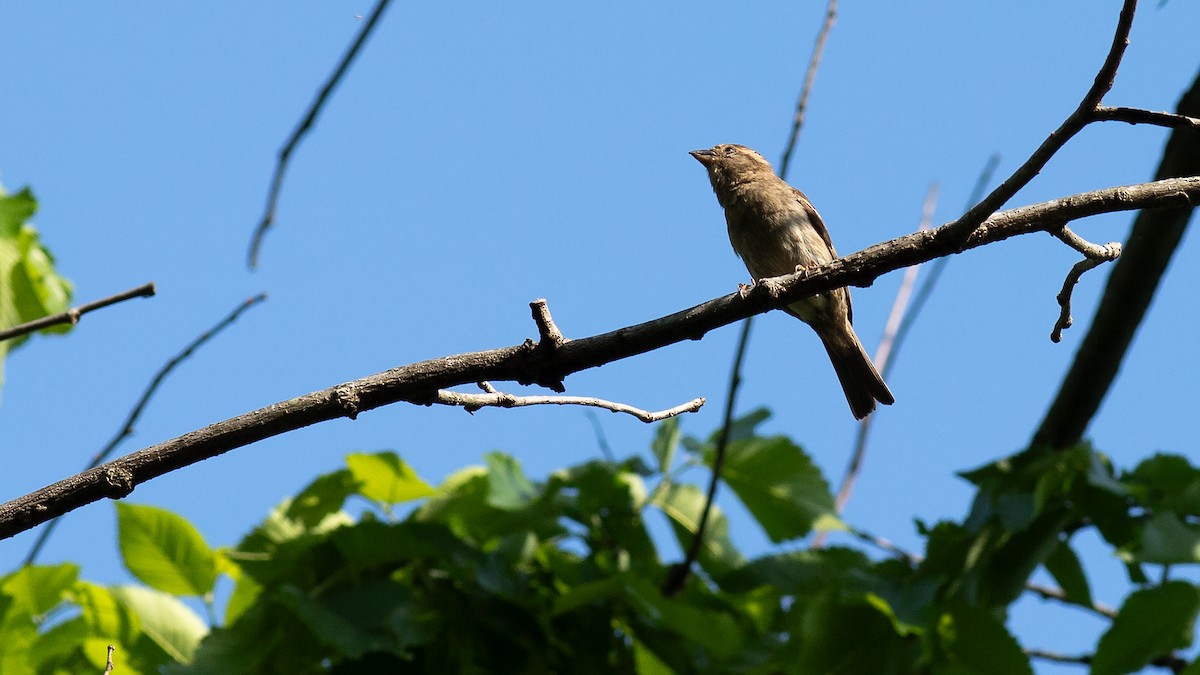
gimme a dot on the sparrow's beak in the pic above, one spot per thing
(705, 157)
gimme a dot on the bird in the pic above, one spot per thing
(775, 230)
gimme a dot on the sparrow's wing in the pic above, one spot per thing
(815, 219)
(819, 226)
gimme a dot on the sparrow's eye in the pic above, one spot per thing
(729, 150)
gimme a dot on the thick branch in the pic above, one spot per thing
(419, 382)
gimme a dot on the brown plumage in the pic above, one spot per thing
(776, 230)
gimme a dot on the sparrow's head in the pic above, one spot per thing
(728, 163)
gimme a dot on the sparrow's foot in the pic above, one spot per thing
(806, 269)
(743, 289)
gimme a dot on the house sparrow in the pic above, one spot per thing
(776, 231)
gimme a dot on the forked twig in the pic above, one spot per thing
(1094, 256)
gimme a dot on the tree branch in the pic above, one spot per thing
(1138, 116)
(525, 364)
(496, 399)
(1127, 295)
(131, 419)
(310, 118)
(1084, 114)
(72, 316)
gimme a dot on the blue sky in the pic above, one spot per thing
(481, 155)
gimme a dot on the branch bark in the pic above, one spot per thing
(526, 364)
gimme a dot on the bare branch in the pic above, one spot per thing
(72, 316)
(678, 574)
(526, 364)
(305, 125)
(1056, 657)
(127, 426)
(1057, 594)
(1094, 256)
(549, 335)
(814, 63)
(108, 667)
(493, 398)
(1075, 122)
(1135, 277)
(1139, 116)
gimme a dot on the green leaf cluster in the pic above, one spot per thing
(30, 288)
(371, 569)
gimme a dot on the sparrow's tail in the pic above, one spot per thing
(860, 380)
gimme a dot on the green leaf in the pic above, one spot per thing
(244, 595)
(833, 636)
(105, 614)
(29, 286)
(683, 504)
(798, 572)
(1064, 566)
(166, 620)
(1166, 540)
(37, 589)
(780, 486)
(666, 442)
(1151, 623)
(323, 497)
(647, 663)
(976, 641)
(164, 551)
(508, 488)
(385, 478)
(1168, 482)
(713, 631)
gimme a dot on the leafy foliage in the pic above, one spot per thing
(492, 571)
(29, 286)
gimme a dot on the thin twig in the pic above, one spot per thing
(108, 667)
(810, 75)
(1057, 594)
(1056, 657)
(1139, 116)
(72, 316)
(306, 123)
(416, 382)
(885, 545)
(1094, 256)
(1168, 661)
(1084, 114)
(678, 574)
(496, 399)
(127, 426)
